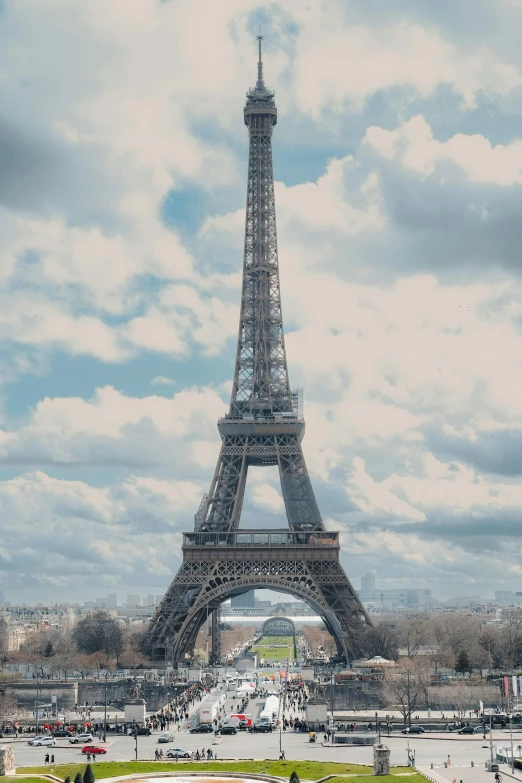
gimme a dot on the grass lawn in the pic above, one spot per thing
(309, 770)
(275, 648)
(409, 778)
(26, 780)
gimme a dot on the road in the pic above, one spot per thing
(428, 748)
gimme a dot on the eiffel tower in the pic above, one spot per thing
(264, 426)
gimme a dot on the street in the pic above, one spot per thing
(430, 748)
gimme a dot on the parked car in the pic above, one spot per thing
(141, 731)
(81, 738)
(413, 730)
(62, 733)
(261, 726)
(228, 730)
(43, 740)
(179, 752)
(467, 730)
(202, 728)
(94, 749)
(165, 738)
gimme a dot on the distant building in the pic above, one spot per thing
(466, 600)
(367, 587)
(133, 600)
(112, 601)
(244, 601)
(505, 597)
(151, 600)
(391, 599)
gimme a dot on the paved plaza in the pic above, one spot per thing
(430, 748)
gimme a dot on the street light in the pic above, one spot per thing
(136, 741)
(37, 702)
(511, 738)
(105, 709)
(409, 700)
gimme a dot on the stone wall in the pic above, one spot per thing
(7, 760)
(90, 692)
(363, 694)
(156, 696)
(66, 693)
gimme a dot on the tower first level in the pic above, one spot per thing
(217, 566)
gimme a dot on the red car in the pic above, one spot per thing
(94, 749)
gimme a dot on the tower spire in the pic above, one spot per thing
(260, 82)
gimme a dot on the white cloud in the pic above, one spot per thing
(162, 380)
(88, 533)
(268, 497)
(114, 429)
(415, 147)
(339, 62)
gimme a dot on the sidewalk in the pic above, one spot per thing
(467, 774)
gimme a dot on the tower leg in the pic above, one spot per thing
(300, 503)
(225, 499)
(216, 636)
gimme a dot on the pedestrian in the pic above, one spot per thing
(448, 761)
(52, 758)
(46, 758)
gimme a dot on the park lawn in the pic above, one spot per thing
(307, 770)
(273, 648)
(410, 777)
(26, 780)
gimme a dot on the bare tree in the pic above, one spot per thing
(511, 636)
(413, 633)
(380, 639)
(8, 705)
(65, 658)
(4, 639)
(405, 686)
(99, 632)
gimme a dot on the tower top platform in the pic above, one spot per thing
(260, 100)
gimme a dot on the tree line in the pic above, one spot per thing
(97, 641)
(458, 641)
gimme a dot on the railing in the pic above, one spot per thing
(260, 538)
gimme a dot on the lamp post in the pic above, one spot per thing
(511, 740)
(491, 737)
(105, 709)
(409, 702)
(332, 704)
(37, 702)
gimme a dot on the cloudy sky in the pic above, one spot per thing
(398, 159)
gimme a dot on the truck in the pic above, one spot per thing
(244, 719)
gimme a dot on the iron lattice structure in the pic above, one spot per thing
(264, 426)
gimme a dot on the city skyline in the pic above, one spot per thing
(398, 181)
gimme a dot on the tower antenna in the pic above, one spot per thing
(260, 83)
